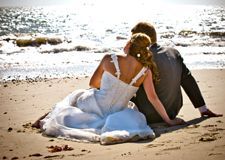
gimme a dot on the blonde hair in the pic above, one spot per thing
(139, 49)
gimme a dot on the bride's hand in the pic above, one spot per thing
(176, 121)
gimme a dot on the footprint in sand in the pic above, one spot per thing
(28, 128)
(56, 148)
(219, 121)
(76, 155)
(161, 153)
(154, 145)
(54, 156)
(214, 154)
(213, 129)
(210, 125)
(125, 154)
(165, 151)
(84, 150)
(216, 130)
(208, 137)
(80, 154)
(171, 149)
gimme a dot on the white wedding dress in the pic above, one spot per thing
(102, 115)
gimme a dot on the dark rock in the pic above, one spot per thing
(82, 48)
(54, 41)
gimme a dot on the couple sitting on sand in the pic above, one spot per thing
(109, 112)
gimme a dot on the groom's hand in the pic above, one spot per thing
(209, 114)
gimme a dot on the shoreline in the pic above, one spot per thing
(16, 80)
(23, 102)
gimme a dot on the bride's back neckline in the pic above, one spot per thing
(115, 59)
(121, 81)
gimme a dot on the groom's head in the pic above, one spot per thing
(146, 28)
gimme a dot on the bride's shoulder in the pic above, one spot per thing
(111, 55)
(106, 57)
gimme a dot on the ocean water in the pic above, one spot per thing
(90, 29)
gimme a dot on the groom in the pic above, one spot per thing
(173, 74)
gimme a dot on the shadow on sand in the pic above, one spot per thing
(161, 128)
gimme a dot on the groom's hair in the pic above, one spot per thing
(146, 28)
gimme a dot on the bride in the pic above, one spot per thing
(104, 113)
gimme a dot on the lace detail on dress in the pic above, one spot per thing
(115, 61)
(142, 72)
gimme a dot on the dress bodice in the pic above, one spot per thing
(113, 94)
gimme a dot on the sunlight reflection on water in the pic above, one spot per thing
(197, 31)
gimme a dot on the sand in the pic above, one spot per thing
(21, 103)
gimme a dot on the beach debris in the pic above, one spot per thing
(56, 148)
(10, 129)
(67, 148)
(35, 155)
(54, 156)
(84, 150)
(125, 154)
(208, 137)
(27, 125)
(14, 158)
(19, 131)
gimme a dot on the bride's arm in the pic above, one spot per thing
(95, 80)
(153, 98)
